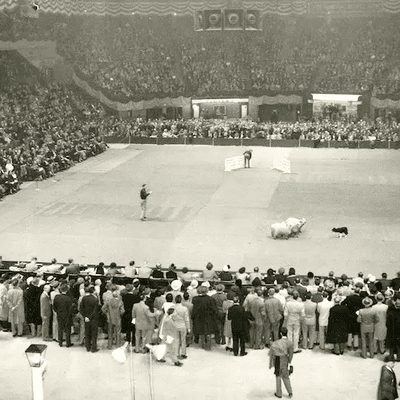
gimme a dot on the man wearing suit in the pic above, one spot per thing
(63, 307)
(45, 312)
(239, 324)
(144, 320)
(90, 311)
(387, 389)
(281, 355)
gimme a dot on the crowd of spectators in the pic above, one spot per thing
(140, 56)
(321, 129)
(44, 127)
(333, 313)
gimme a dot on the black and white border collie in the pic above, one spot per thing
(341, 232)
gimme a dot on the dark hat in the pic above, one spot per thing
(270, 271)
(389, 358)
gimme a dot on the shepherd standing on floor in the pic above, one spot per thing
(143, 201)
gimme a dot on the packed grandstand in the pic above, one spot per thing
(127, 58)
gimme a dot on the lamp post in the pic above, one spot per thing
(35, 354)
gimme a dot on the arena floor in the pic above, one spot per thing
(199, 213)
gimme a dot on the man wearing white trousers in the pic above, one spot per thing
(294, 315)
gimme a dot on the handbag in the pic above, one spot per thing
(291, 370)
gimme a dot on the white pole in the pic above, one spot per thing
(37, 383)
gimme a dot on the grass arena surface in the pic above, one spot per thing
(199, 213)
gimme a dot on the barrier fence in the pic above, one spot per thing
(306, 143)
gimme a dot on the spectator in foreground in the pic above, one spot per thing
(387, 388)
(239, 325)
(63, 306)
(281, 355)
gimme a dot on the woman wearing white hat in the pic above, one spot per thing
(176, 288)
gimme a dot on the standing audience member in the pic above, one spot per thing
(239, 324)
(309, 322)
(367, 318)
(338, 327)
(281, 356)
(144, 319)
(227, 304)
(323, 309)
(114, 308)
(32, 297)
(273, 317)
(63, 306)
(380, 326)
(15, 302)
(90, 311)
(294, 314)
(219, 298)
(4, 311)
(170, 336)
(182, 323)
(387, 389)
(55, 291)
(129, 299)
(205, 318)
(188, 304)
(45, 313)
(393, 327)
(257, 309)
(353, 304)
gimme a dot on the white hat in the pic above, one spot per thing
(29, 280)
(176, 285)
(225, 268)
(371, 278)
(194, 284)
(206, 284)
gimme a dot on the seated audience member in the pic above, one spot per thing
(32, 266)
(291, 276)
(73, 269)
(359, 279)
(99, 269)
(255, 274)
(269, 279)
(280, 277)
(130, 270)
(157, 273)
(242, 275)
(225, 275)
(209, 274)
(385, 282)
(185, 275)
(171, 273)
(310, 276)
(113, 269)
(53, 268)
(395, 283)
(144, 271)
